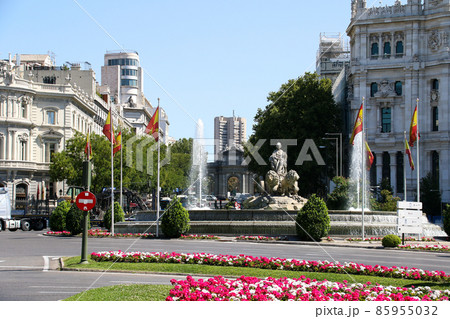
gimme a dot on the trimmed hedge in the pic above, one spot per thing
(175, 220)
(119, 216)
(313, 222)
(74, 220)
(57, 221)
(391, 241)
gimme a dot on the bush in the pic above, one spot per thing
(175, 221)
(446, 219)
(57, 221)
(74, 220)
(387, 202)
(119, 216)
(391, 241)
(338, 199)
(313, 219)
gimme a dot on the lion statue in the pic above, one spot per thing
(272, 182)
(289, 185)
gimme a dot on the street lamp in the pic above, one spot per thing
(337, 156)
(341, 173)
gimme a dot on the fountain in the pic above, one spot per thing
(198, 167)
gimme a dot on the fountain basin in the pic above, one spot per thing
(277, 223)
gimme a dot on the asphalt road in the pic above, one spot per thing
(28, 261)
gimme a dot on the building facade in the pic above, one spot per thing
(123, 82)
(228, 132)
(399, 54)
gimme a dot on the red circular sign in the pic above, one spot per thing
(85, 201)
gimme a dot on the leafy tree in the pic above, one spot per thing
(119, 216)
(386, 202)
(57, 219)
(338, 199)
(302, 109)
(446, 219)
(74, 220)
(430, 195)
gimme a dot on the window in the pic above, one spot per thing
(129, 72)
(373, 171)
(399, 49)
(374, 50)
(385, 120)
(400, 172)
(49, 79)
(373, 89)
(435, 165)
(387, 49)
(23, 107)
(398, 88)
(435, 84)
(123, 62)
(23, 150)
(51, 117)
(128, 82)
(435, 119)
(50, 148)
(386, 168)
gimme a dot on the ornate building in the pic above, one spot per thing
(41, 106)
(401, 53)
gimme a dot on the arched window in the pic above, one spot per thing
(373, 89)
(398, 88)
(374, 50)
(399, 49)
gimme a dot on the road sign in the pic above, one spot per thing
(85, 201)
(409, 205)
(409, 213)
(410, 229)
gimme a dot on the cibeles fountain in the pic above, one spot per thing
(279, 189)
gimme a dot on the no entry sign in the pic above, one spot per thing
(85, 201)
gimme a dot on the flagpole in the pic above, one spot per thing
(112, 174)
(121, 156)
(158, 176)
(404, 172)
(417, 139)
(363, 171)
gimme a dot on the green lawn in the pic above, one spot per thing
(160, 292)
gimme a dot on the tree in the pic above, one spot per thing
(430, 195)
(119, 216)
(75, 219)
(338, 199)
(312, 222)
(175, 221)
(302, 109)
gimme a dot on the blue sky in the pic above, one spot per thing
(202, 58)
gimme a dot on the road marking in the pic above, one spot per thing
(2, 261)
(47, 261)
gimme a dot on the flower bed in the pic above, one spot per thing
(260, 238)
(272, 263)
(302, 289)
(428, 239)
(194, 236)
(59, 233)
(427, 247)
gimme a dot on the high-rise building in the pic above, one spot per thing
(228, 132)
(399, 54)
(123, 82)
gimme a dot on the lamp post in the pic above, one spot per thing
(341, 171)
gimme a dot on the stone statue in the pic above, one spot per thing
(278, 180)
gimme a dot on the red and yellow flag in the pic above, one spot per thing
(88, 147)
(413, 129)
(108, 128)
(357, 128)
(370, 157)
(408, 152)
(153, 126)
(118, 143)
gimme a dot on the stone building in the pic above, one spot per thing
(42, 106)
(401, 53)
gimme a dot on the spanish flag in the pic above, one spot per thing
(153, 126)
(108, 128)
(408, 152)
(358, 125)
(370, 157)
(88, 147)
(413, 129)
(118, 143)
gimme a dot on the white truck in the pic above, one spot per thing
(25, 223)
